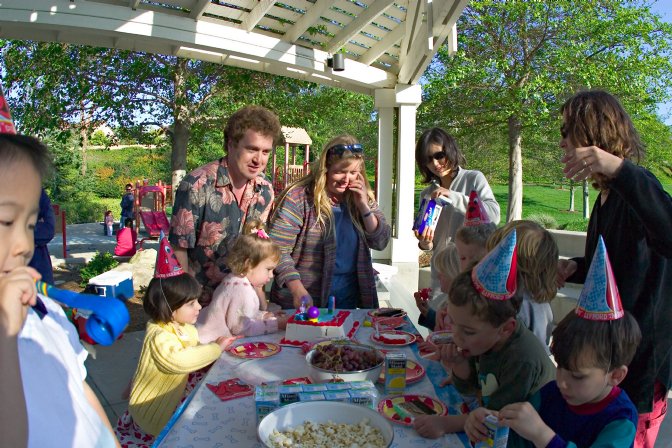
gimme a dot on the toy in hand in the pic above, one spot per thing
(423, 294)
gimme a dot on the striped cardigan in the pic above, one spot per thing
(309, 254)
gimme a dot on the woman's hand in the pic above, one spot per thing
(425, 238)
(299, 292)
(565, 269)
(524, 419)
(582, 163)
(17, 293)
(359, 193)
(440, 191)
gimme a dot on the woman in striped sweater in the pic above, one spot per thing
(325, 224)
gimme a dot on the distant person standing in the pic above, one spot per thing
(43, 234)
(127, 202)
(108, 222)
(126, 238)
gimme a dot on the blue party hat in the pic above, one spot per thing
(495, 276)
(599, 299)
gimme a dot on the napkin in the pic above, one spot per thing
(230, 389)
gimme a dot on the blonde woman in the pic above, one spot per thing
(325, 224)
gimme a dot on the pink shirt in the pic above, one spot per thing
(125, 242)
(234, 310)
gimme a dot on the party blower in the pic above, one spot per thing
(109, 317)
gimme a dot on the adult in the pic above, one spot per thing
(325, 224)
(213, 202)
(44, 231)
(440, 163)
(127, 204)
(634, 216)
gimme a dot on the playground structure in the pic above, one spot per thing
(282, 176)
(150, 208)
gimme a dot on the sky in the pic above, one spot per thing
(664, 9)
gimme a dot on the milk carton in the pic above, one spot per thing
(498, 435)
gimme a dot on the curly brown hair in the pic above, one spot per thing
(257, 118)
(250, 248)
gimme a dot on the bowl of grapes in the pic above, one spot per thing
(344, 361)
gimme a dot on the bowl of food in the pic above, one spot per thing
(325, 423)
(344, 361)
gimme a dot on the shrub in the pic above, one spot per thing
(99, 264)
(577, 225)
(544, 220)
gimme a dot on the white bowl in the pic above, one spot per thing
(319, 375)
(293, 415)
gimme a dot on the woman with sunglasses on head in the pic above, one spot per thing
(439, 159)
(325, 224)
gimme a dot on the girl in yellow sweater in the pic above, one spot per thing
(170, 351)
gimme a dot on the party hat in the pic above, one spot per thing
(6, 123)
(476, 214)
(494, 276)
(166, 261)
(599, 299)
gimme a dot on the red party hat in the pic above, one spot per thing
(6, 123)
(599, 299)
(476, 214)
(495, 276)
(166, 261)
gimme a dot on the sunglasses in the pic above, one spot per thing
(340, 149)
(441, 155)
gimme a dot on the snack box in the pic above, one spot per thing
(428, 213)
(364, 397)
(337, 395)
(266, 400)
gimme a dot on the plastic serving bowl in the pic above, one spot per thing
(319, 375)
(293, 415)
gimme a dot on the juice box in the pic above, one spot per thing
(498, 435)
(289, 393)
(266, 400)
(364, 397)
(395, 373)
(428, 213)
(311, 396)
(337, 395)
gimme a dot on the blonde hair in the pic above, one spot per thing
(537, 254)
(316, 184)
(447, 262)
(251, 248)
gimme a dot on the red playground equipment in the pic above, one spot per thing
(150, 208)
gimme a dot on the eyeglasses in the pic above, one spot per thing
(338, 150)
(438, 156)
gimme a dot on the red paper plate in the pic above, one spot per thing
(404, 408)
(386, 312)
(414, 373)
(393, 338)
(249, 350)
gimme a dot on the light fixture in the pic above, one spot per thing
(336, 62)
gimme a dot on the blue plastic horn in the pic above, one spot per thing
(109, 317)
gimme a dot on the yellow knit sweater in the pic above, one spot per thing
(168, 356)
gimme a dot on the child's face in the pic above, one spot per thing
(187, 313)
(19, 201)
(468, 254)
(446, 282)
(472, 335)
(585, 385)
(262, 273)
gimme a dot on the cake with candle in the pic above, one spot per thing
(316, 324)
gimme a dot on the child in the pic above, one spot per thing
(493, 354)
(593, 347)
(537, 254)
(447, 265)
(235, 307)
(109, 223)
(170, 351)
(45, 398)
(126, 238)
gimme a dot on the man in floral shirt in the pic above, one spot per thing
(213, 202)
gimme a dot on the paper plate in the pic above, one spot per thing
(393, 338)
(404, 408)
(414, 373)
(440, 337)
(250, 350)
(387, 312)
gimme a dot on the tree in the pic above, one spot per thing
(518, 61)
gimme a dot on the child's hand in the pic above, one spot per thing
(17, 293)
(422, 305)
(451, 357)
(225, 342)
(475, 426)
(282, 320)
(443, 320)
(525, 420)
(430, 426)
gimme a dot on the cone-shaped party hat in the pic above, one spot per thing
(6, 123)
(495, 276)
(476, 214)
(166, 261)
(599, 299)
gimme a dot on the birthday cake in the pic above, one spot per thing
(327, 326)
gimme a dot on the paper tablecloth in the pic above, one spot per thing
(206, 421)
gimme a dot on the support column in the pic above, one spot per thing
(384, 103)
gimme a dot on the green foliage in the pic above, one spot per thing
(99, 138)
(544, 220)
(99, 264)
(577, 225)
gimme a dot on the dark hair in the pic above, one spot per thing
(165, 295)
(604, 344)
(495, 312)
(129, 185)
(257, 118)
(128, 222)
(448, 144)
(597, 118)
(17, 147)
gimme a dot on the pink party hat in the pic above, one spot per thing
(6, 123)
(599, 299)
(495, 276)
(166, 261)
(476, 214)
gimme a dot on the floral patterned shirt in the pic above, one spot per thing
(207, 219)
